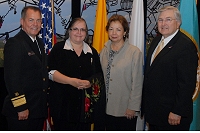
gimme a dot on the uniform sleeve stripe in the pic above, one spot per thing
(19, 102)
(17, 97)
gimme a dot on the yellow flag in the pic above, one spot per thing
(100, 33)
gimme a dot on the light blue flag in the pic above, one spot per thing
(189, 26)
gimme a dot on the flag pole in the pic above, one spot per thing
(52, 13)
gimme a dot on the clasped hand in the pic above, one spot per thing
(80, 84)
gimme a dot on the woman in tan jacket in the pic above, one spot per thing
(123, 73)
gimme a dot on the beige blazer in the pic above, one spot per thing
(126, 79)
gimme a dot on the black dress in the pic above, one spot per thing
(67, 103)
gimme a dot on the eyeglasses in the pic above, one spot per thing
(77, 30)
(167, 20)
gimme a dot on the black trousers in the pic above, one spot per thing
(120, 123)
(25, 125)
(180, 127)
(65, 125)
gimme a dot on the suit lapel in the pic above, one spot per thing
(163, 52)
(150, 52)
(41, 45)
(29, 44)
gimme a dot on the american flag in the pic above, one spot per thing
(47, 30)
(47, 34)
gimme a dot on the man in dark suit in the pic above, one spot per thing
(25, 74)
(170, 75)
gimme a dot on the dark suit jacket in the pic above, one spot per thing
(26, 76)
(170, 80)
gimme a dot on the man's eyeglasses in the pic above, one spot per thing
(167, 20)
(77, 30)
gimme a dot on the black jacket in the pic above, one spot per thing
(66, 101)
(169, 82)
(26, 77)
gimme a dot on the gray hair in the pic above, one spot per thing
(177, 13)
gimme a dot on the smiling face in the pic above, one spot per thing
(116, 32)
(167, 23)
(32, 22)
(77, 32)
